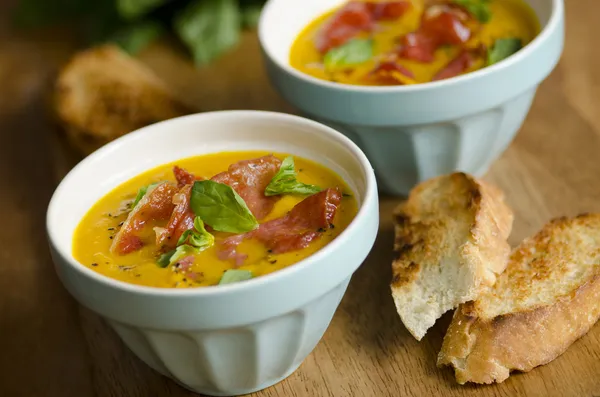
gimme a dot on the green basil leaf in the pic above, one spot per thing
(171, 257)
(353, 52)
(234, 276)
(134, 38)
(480, 9)
(503, 48)
(285, 181)
(209, 28)
(221, 207)
(131, 9)
(143, 191)
(198, 237)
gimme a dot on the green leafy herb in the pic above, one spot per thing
(234, 276)
(480, 9)
(143, 191)
(136, 37)
(353, 52)
(209, 28)
(221, 207)
(131, 9)
(172, 257)
(502, 49)
(285, 181)
(197, 237)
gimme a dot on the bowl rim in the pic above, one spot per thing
(554, 21)
(369, 200)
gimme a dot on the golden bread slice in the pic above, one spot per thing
(450, 244)
(547, 298)
(103, 93)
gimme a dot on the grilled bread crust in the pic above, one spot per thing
(103, 93)
(450, 245)
(548, 297)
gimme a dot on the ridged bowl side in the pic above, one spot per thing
(403, 156)
(235, 361)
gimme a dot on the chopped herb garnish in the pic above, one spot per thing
(502, 49)
(272, 262)
(321, 230)
(197, 237)
(331, 226)
(172, 257)
(94, 264)
(480, 9)
(234, 276)
(353, 52)
(111, 237)
(285, 181)
(111, 228)
(346, 195)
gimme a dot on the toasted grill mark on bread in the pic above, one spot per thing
(548, 297)
(103, 93)
(407, 276)
(450, 244)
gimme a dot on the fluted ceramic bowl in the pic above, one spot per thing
(231, 339)
(413, 133)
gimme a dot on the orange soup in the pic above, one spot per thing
(411, 41)
(214, 219)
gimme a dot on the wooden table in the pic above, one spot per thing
(49, 346)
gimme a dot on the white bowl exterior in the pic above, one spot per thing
(415, 132)
(232, 339)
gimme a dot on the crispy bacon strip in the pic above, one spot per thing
(182, 219)
(303, 224)
(185, 177)
(418, 46)
(249, 178)
(457, 66)
(391, 73)
(441, 25)
(154, 206)
(347, 22)
(356, 17)
(447, 24)
(389, 10)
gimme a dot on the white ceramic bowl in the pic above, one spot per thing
(231, 339)
(412, 133)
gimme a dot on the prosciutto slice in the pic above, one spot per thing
(182, 219)
(457, 66)
(185, 177)
(441, 25)
(356, 17)
(390, 72)
(249, 178)
(157, 204)
(305, 223)
(347, 22)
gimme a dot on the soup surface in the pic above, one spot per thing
(411, 41)
(214, 219)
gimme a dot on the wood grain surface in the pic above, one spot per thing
(49, 346)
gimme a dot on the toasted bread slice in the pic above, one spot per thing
(548, 297)
(450, 243)
(103, 93)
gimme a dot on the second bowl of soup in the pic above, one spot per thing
(424, 87)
